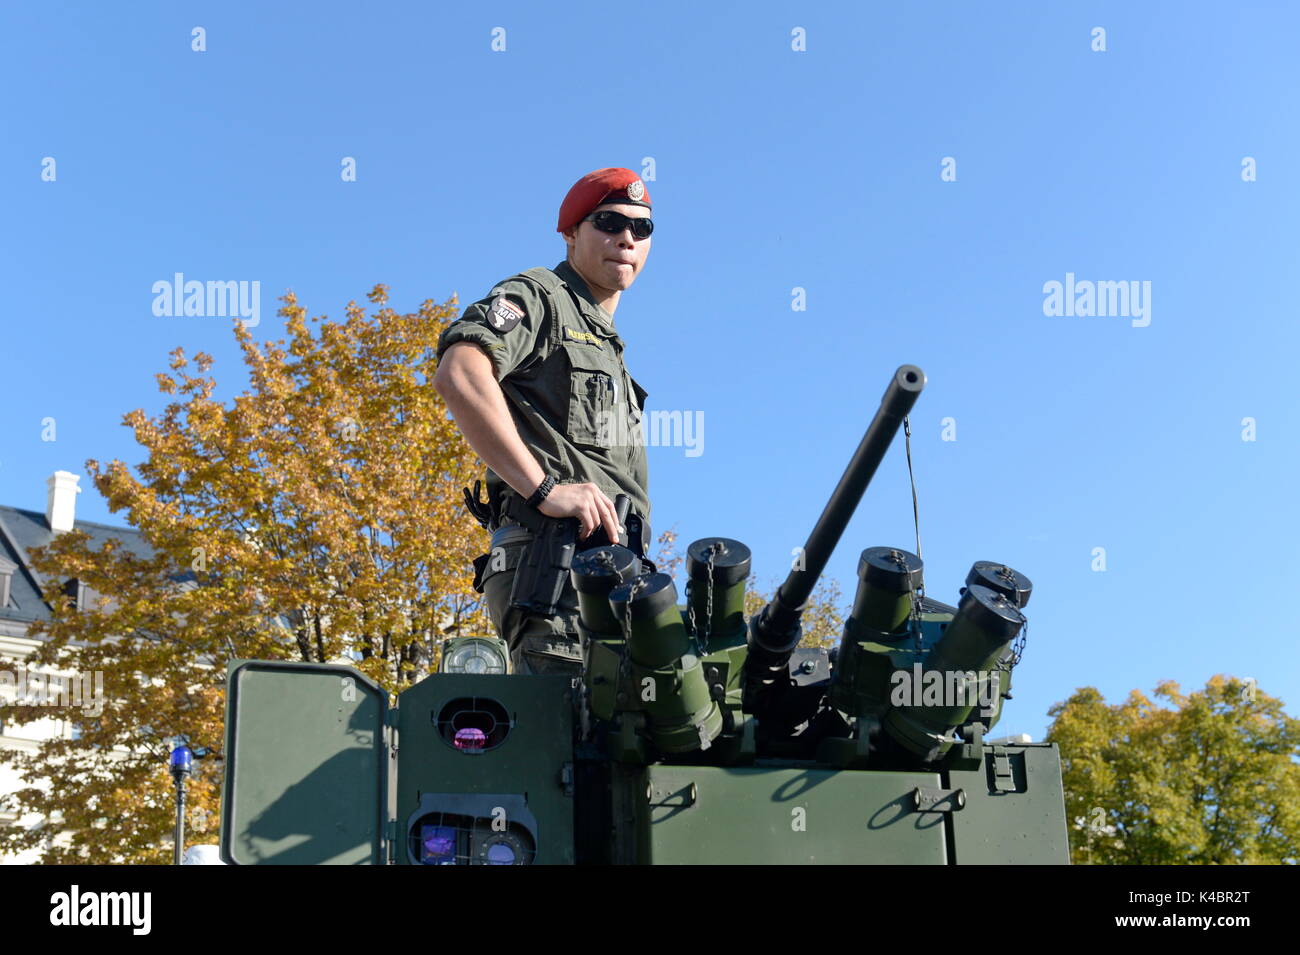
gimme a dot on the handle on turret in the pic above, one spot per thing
(599, 537)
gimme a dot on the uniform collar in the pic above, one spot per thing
(569, 275)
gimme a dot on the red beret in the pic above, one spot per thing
(614, 184)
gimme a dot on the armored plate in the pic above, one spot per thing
(306, 766)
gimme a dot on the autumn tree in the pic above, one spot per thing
(318, 517)
(1211, 780)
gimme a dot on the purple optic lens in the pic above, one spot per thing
(439, 841)
(500, 854)
(471, 737)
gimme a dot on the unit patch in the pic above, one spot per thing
(504, 314)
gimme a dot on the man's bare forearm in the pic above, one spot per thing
(466, 381)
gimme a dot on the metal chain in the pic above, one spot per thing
(1017, 648)
(914, 619)
(690, 605)
(605, 559)
(714, 549)
(917, 596)
(638, 585)
(703, 646)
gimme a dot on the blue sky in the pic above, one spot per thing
(772, 169)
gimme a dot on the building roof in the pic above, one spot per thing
(23, 530)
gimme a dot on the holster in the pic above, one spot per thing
(544, 567)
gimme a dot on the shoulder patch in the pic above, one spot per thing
(504, 314)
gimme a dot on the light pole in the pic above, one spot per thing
(182, 764)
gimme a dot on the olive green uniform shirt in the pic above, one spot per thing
(560, 365)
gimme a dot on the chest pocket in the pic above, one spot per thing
(639, 395)
(595, 399)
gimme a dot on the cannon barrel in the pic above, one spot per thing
(777, 627)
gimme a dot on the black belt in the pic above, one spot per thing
(543, 568)
(509, 508)
(636, 533)
(513, 509)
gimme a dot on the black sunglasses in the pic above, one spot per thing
(613, 222)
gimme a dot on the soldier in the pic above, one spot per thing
(534, 375)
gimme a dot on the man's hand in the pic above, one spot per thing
(588, 503)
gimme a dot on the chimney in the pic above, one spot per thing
(61, 505)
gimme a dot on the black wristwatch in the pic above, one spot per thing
(543, 489)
